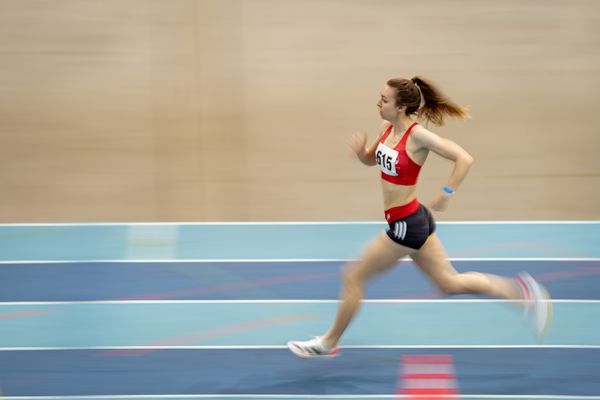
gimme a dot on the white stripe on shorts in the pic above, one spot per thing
(400, 229)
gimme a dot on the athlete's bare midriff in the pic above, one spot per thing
(397, 195)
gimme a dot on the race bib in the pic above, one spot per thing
(386, 158)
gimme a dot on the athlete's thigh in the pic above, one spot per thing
(379, 256)
(432, 259)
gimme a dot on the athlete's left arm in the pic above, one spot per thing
(449, 150)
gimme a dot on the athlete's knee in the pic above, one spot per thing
(465, 283)
(351, 279)
(451, 285)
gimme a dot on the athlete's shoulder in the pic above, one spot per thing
(424, 136)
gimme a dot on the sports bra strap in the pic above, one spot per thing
(404, 138)
(386, 133)
(407, 134)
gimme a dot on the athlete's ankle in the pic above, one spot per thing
(328, 342)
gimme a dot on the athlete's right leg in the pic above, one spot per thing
(380, 256)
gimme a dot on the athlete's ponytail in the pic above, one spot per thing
(423, 98)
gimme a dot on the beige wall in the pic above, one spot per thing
(223, 110)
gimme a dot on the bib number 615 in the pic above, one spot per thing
(384, 160)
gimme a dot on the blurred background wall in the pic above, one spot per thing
(241, 110)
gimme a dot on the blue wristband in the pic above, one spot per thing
(448, 190)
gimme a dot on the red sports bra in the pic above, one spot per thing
(395, 164)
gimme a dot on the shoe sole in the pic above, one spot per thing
(296, 351)
(541, 298)
(549, 312)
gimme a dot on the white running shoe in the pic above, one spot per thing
(312, 348)
(538, 303)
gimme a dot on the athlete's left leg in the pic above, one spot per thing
(433, 261)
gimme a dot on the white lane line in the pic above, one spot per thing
(284, 347)
(293, 260)
(303, 396)
(293, 223)
(284, 301)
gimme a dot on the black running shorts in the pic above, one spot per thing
(412, 231)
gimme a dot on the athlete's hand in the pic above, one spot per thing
(440, 202)
(358, 143)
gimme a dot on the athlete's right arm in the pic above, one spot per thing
(366, 154)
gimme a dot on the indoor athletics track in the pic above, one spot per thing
(204, 311)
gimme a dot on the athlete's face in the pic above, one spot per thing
(387, 104)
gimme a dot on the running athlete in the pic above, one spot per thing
(401, 148)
